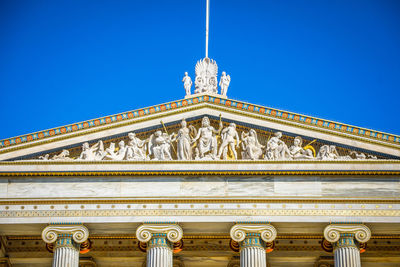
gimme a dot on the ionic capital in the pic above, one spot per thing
(333, 232)
(78, 232)
(145, 232)
(239, 231)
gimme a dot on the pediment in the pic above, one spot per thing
(317, 142)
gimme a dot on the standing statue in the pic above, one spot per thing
(187, 83)
(136, 148)
(229, 135)
(207, 140)
(252, 149)
(224, 83)
(298, 152)
(184, 149)
(160, 146)
(276, 148)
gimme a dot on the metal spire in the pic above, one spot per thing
(207, 19)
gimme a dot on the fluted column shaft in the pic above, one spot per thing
(66, 252)
(252, 252)
(159, 252)
(346, 252)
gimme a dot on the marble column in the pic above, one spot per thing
(66, 239)
(159, 239)
(346, 239)
(252, 239)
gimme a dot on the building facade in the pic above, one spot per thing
(202, 181)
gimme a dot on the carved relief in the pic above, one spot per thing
(208, 143)
(361, 232)
(79, 233)
(173, 232)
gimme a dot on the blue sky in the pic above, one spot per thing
(68, 61)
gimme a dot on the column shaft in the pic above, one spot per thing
(252, 257)
(66, 253)
(159, 257)
(347, 257)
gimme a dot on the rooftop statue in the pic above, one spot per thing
(187, 83)
(224, 83)
(206, 76)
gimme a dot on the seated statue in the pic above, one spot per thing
(206, 140)
(119, 155)
(136, 148)
(327, 152)
(160, 146)
(277, 149)
(252, 149)
(88, 152)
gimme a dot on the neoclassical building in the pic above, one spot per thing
(201, 181)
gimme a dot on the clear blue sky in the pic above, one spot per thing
(68, 61)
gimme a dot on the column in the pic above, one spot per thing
(66, 239)
(160, 239)
(346, 239)
(253, 240)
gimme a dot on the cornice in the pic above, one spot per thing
(228, 105)
(283, 236)
(198, 173)
(338, 200)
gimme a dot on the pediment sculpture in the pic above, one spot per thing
(207, 143)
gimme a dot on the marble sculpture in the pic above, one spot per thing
(206, 143)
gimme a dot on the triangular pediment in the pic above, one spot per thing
(316, 135)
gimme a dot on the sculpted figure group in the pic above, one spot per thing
(206, 143)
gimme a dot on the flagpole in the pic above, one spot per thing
(207, 19)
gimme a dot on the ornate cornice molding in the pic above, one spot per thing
(333, 232)
(228, 105)
(267, 232)
(173, 232)
(197, 173)
(51, 233)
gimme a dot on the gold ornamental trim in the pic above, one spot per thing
(198, 173)
(337, 200)
(196, 212)
(200, 162)
(215, 106)
(286, 236)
